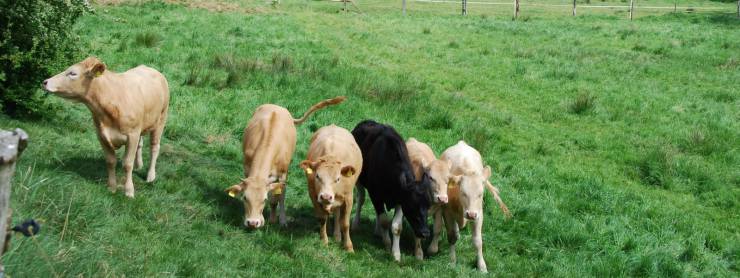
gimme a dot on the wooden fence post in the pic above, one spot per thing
(574, 7)
(464, 7)
(404, 7)
(516, 9)
(632, 7)
(11, 146)
(738, 8)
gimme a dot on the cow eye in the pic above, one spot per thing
(318, 178)
(337, 180)
(72, 74)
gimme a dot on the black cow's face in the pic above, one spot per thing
(416, 206)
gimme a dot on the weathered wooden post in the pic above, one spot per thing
(516, 9)
(403, 7)
(11, 147)
(464, 7)
(574, 7)
(632, 7)
(738, 8)
(675, 6)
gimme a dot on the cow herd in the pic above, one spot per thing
(403, 177)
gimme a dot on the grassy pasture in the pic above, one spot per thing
(614, 143)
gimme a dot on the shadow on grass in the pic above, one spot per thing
(91, 168)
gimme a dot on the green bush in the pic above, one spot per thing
(35, 39)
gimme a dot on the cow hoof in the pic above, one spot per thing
(351, 250)
(432, 249)
(150, 177)
(130, 194)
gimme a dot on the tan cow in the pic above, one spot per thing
(124, 106)
(332, 167)
(465, 193)
(423, 161)
(268, 145)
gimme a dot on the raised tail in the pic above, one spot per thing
(318, 106)
(501, 204)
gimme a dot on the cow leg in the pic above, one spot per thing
(128, 162)
(453, 232)
(434, 245)
(383, 223)
(154, 140)
(283, 217)
(110, 165)
(418, 252)
(337, 219)
(396, 230)
(358, 210)
(139, 162)
(346, 213)
(274, 200)
(478, 244)
(323, 218)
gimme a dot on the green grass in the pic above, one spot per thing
(614, 143)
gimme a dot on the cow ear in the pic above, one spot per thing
(276, 188)
(234, 190)
(487, 172)
(98, 69)
(307, 165)
(348, 171)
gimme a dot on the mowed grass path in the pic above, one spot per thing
(614, 143)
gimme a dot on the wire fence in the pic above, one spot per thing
(627, 8)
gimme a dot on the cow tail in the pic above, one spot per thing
(496, 196)
(318, 106)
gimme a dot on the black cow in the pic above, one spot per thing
(388, 177)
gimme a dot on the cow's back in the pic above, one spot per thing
(464, 159)
(269, 140)
(420, 155)
(336, 141)
(135, 99)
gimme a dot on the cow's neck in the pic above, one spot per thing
(103, 109)
(263, 161)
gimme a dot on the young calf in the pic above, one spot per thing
(389, 179)
(332, 168)
(424, 162)
(124, 106)
(465, 193)
(268, 145)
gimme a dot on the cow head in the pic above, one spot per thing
(472, 185)
(439, 174)
(253, 193)
(416, 202)
(327, 173)
(74, 82)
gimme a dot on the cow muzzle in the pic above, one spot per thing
(471, 215)
(326, 198)
(441, 199)
(253, 223)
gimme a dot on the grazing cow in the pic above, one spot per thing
(124, 106)
(465, 193)
(332, 167)
(268, 145)
(389, 179)
(424, 162)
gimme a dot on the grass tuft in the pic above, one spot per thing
(581, 104)
(656, 167)
(148, 39)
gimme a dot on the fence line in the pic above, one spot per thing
(580, 6)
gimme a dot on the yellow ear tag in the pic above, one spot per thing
(309, 171)
(451, 184)
(232, 193)
(98, 74)
(349, 174)
(277, 191)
